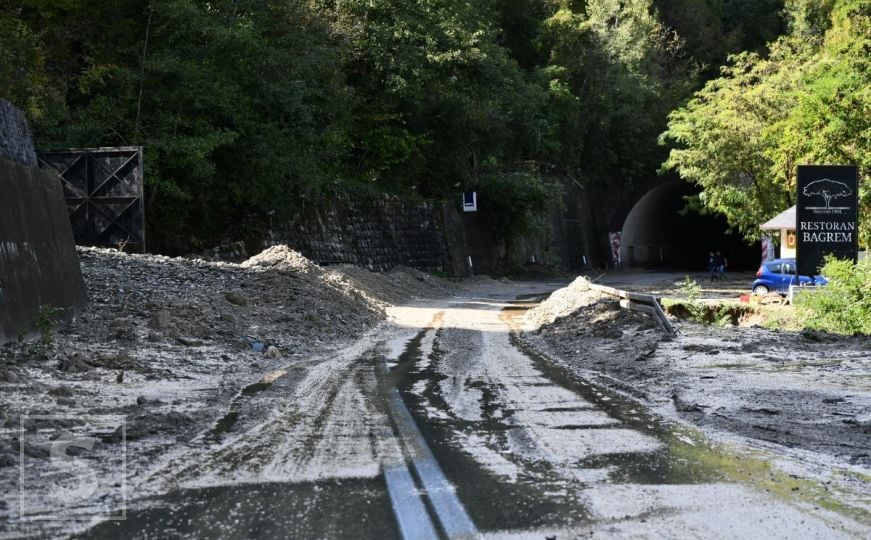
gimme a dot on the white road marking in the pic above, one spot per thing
(454, 519)
(414, 522)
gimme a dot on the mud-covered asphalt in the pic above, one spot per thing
(527, 447)
(464, 415)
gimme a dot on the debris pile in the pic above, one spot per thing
(281, 258)
(166, 343)
(564, 302)
(760, 384)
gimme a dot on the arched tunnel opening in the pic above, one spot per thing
(657, 234)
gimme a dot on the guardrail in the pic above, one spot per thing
(643, 303)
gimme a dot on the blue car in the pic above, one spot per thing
(778, 275)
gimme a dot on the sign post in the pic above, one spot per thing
(827, 215)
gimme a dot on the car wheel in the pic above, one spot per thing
(760, 290)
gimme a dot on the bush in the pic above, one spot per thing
(844, 305)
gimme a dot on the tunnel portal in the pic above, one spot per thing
(657, 234)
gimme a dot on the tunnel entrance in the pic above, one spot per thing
(656, 234)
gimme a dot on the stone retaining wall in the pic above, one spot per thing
(376, 233)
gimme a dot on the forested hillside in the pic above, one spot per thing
(249, 109)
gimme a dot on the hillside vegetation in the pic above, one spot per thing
(249, 110)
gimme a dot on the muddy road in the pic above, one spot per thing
(445, 421)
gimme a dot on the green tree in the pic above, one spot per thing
(614, 73)
(436, 96)
(741, 137)
(238, 105)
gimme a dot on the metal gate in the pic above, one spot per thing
(103, 188)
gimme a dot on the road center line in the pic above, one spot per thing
(450, 512)
(410, 511)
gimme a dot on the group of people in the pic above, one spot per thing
(717, 264)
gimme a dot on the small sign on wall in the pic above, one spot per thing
(827, 215)
(790, 239)
(470, 201)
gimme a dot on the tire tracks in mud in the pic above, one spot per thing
(316, 421)
(574, 453)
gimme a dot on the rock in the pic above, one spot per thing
(684, 406)
(121, 360)
(61, 391)
(7, 460)
(123, 330)
(273, 352)
(188, 342)
(236, 298)
(160, 320)
(77, 363)
(10, 377)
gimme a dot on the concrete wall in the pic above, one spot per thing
(39, 268)
(376, 233)
(38, 261)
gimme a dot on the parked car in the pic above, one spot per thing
(778, 275)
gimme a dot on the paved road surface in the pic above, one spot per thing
(444, 425)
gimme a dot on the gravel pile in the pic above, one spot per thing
(283, 258)
(564, 302)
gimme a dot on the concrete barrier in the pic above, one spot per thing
(39, 268)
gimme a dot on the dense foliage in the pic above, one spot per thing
(807, 101)
(844, 305)
(249, 110)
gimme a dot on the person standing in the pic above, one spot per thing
(721, 263)
(712, 266)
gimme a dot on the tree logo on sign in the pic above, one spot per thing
(828, 190)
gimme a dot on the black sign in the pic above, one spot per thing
(827, 215)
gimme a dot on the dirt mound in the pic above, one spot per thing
(396, 286)
(410, 279)
(281, 257)
(564, 302)
(373, 286)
